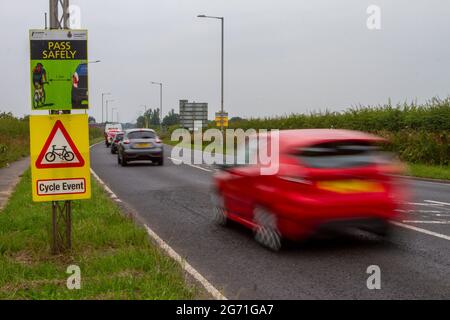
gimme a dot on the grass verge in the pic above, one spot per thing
(116, 258)
(428, 171)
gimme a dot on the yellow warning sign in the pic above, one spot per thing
(60, 168)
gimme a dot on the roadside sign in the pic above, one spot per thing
(221, 118)
(59, 69)
(60, 166)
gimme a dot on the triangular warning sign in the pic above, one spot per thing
(59, 151)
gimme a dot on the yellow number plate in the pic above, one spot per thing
(350, 186)
(143, 145)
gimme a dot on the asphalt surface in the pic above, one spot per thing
(174, 200)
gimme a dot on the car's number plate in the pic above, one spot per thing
(142, 145)
(350, 186)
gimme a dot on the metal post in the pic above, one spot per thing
(221, 102)
(102, 105)
(107, 111)
(61, 211)
(160, 106)
(61, 226)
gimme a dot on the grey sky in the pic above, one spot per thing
(281, 56)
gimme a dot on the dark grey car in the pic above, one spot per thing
(140, 144)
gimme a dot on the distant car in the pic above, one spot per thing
(110, 131)
(140, 144)
(80, 87)
(327, 180)
(115, 142)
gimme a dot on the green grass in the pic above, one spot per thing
(427, 171)
(14, 138)
(116, 258)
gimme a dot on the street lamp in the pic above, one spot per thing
(160, 103)
(222, 56)
(112, 114)
(107, 101)
(103, 95)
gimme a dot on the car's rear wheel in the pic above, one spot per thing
(219, 216)
(266, 230)
(160, 161)
(123, 161)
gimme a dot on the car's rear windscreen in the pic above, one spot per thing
(339, 155)
(141, 135)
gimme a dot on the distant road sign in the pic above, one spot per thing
(221, 118)
(59, 69)
(60, 157)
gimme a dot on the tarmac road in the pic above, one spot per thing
(174, 200)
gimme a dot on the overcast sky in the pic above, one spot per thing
(281, 56)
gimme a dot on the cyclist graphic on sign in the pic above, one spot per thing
(39, 80)
(63, 155)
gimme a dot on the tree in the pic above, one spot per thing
(171, 118)
(91, 119)
(151, 117)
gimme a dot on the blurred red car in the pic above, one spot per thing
(327, 179)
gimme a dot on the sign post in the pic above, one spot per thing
(59, 143)
(60, 168)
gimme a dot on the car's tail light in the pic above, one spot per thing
(157, 140)
(126, 141)
(75, 80)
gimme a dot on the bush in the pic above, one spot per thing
(418, 133)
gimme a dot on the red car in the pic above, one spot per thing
(327, 179)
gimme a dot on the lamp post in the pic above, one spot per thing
(160, 103)
(107, 102)
(222, 60)
(103, 95)
(112, 114)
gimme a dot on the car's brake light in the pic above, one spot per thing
(75, 80)
(126, 141)
(157, 140)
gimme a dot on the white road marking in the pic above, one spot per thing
(431, 233)
(418, 211)
(437, 202)
(191, 165)
(171, 252)
(426, 221)
(424, 204)
(186, 266)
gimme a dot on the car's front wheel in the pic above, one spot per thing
(266, 231)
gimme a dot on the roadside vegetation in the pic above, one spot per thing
(418, 134)
(116, 258)
(14, 138)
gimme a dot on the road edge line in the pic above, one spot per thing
(431, 233)
(167, 248)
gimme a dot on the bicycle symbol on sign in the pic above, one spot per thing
(61, 153)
